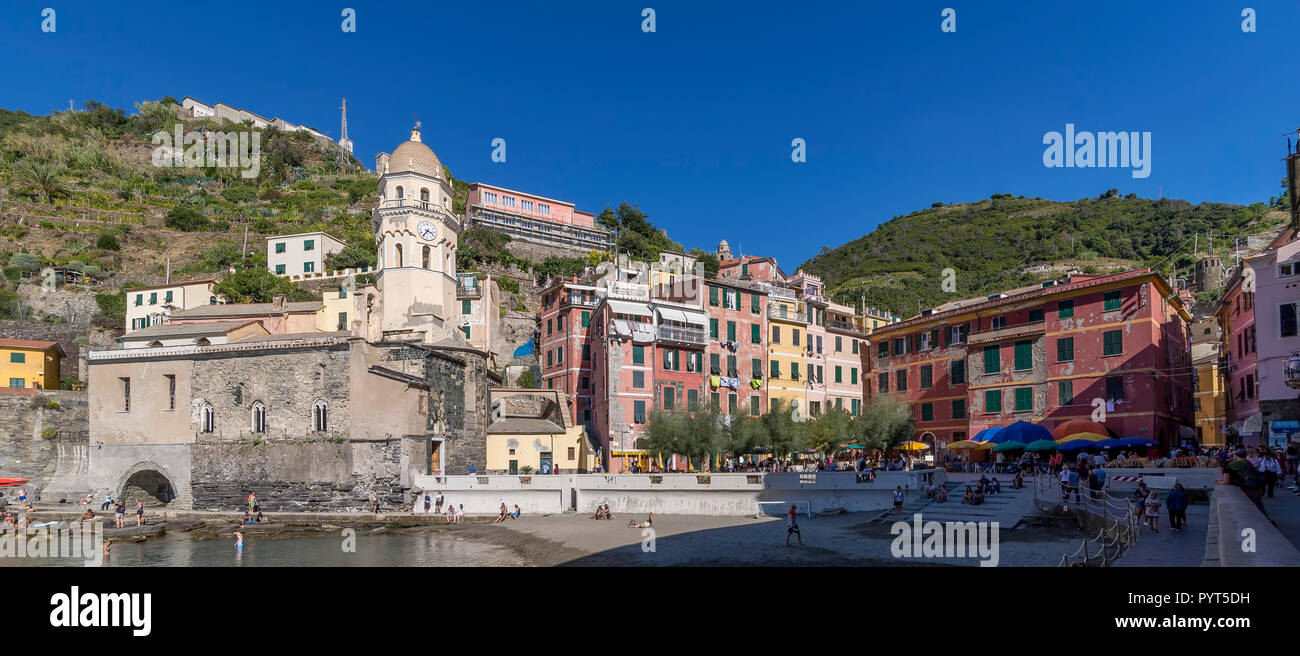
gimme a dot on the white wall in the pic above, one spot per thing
(681, 494)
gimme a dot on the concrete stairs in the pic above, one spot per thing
(1006, 508)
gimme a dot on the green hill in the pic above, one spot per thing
(1007, 241)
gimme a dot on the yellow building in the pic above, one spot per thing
(787, 333)
(529, 429)
(333, 315)
(30, 363)
(1210, 401)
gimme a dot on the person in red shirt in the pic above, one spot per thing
(792, 527)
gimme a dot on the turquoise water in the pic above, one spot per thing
(370, 551)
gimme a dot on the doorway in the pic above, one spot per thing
(435, 457)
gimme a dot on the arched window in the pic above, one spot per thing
(258, 417)
(202, 341)
(320, 416)
(207, 418)
(155, 344)
(400, 193)
(397, 253)
(425, 258)
(424, 195)
(212, 300)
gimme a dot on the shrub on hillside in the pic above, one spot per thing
(186, 219)
(107, 241)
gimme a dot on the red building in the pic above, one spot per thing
(1045, 354)
(564, 350)
(737, 349)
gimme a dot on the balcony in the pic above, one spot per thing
(575, 299)
(468, 287)
(778, 312)
(1291, 373)
(681, 335)
(845, 326)
(631, 291)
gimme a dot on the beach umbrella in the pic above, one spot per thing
(1023, 431)
(989, 434)
(1137, 442)
(1109, 443)
(1076, 426)
(1008, 446)
(1078, 445)
(914, 446)
(1042, 445)
(1091, 437)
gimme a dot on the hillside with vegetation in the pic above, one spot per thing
(1006, 241)
(79, 191)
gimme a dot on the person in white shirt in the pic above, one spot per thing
(1269, 466)
(1099, 460)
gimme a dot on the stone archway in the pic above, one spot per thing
(148, 482)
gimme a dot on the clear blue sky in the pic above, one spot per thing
(694, 122)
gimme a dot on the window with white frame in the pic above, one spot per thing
(1288, 269)
(207, 418)
(526, 205)
(258, 417)
(320, 416)
(544, 209)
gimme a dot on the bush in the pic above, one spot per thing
(508, 284)
(49, 434)
(25, 261)
(107, 241)
(186, 219)
(240, 194)
(52, 405)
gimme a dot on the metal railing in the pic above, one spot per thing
(777, 312)
(1291, 375)
(1120, 524)
(680, 334)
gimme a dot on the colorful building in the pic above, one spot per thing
(301, 254)
(737, 350)
(1277, 360)
(26, 363)
(1236, 315)
(846, 358)
(151, 306)
(1045, 354)
(1209, 398)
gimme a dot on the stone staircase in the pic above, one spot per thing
(1006, 508)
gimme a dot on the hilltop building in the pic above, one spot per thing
(302, 254)
(153, 306)
(555, 226)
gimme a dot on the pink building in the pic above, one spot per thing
(564, 348)
(737, 346)
(1277, 361)
(537, 219)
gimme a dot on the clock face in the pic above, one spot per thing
(427, 231)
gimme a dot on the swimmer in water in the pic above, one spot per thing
(239, 540)
(108, 549)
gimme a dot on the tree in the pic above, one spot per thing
(692, 433)
(361, 253)
(45, 180)
(107, 241)
(744, 434)
(708, 260)
(827, 432)
(258, 285)
(608, 219)
(527, 379)
(885, 423)
(784, 434)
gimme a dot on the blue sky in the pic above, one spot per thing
(694, 121)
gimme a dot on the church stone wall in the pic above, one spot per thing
(458, 408)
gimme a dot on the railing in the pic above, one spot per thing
(1292, 377)
(777, 312)
(1120, 525)
(680, 334)
(580, 300)
(628, 290)
(847, 326)
(468, 287)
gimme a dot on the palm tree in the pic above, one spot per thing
(46, 181)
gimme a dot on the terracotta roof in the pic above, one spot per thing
(185, 330)
(525, 426)
(30, 343)
(170, 285)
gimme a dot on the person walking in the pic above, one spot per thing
(898, 502)
(428, 501)
(1177, 504)
(374, 502)
(437, 504)
(792, 526)
(1074, 483)
(139, 512)
(119, 513)
(1272, 469)
(1153, 512)
(1238, 471)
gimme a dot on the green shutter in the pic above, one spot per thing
(1024, 399)
(1024, 355)
(993, 401)
(853, 378)
(731, 331)
(776, 369)
(1113, 342)
(586, 319)
(1112, 301)
(1065, 349)
(713, 295)
(991, 363)
(927, 412)
(753, 303)
(464, 306)
(839, 375)
(713, 328)
(754, 336)
(1065, 309)
(638, 354)
(1065, 392)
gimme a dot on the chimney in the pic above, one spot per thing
(277, 302)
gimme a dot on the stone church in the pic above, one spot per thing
(198, 413)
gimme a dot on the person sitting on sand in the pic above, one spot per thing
(942, 495)
(89, 514)
(501, 516)
(970, 495)
(979, 498)
(515, 514)
(261, 519)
